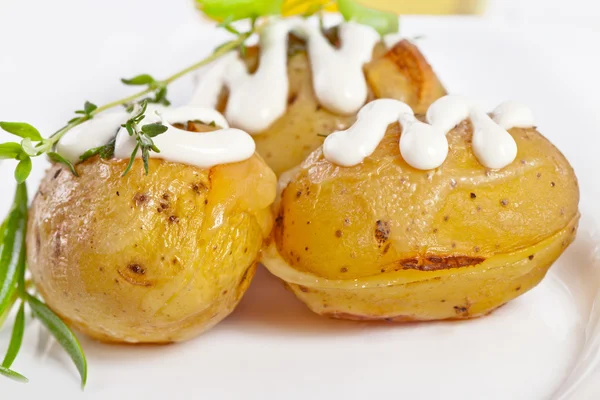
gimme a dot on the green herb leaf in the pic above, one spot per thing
(154, 130)
(105, 152)
(139, 80)
(234, 10)
(73, 119)
(89, 107)
(62, 333)
(23, 169)
(145, 158)
(12, 258)
(13, 375)
(131, 159)
(160, 97)
(16, 338)
(383, 22)
(60, 159)
(21, 129)
(9, 150)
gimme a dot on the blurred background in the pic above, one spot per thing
(581, 12)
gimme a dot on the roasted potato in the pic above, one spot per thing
(148, 258)
(400, 73)
(382, 240)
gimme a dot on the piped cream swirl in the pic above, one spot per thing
(424, 145)
(257, 100)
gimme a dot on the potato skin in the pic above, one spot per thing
(148, 259)
(449, 234)
(399, 73)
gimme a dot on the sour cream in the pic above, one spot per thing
(424, 145)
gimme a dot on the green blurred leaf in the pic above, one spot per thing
(233, 10)
(65, 337)
(382, 21)
(154, 129)
(89, 107)
(139, 80)
(13, 375)
(21, 129)
(12, 257)
(61, 160)
(23, 169)
(16, 338)
(9, 150)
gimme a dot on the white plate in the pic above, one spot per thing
(544, 345)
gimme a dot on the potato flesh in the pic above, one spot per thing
(401, 73)
(384, 217)
(404, 296)
(155, 258)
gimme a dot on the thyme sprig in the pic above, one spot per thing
(143, 136)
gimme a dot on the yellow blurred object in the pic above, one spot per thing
(427, 6)
(295, 7)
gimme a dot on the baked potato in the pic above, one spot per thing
(400, 73)
(384, 241)
(151, 258)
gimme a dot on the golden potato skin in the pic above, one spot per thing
(148, 259)
(400, 73)
(455, 242)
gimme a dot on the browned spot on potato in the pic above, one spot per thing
(552, 184)
(173, 219)
(446, 218)
(118, 194)
(57, 242)
(382, 231)
(504, 202)
(303, 289)
(539, 175)
(298, 193)
(338, 233)
(292, 98)
(438, 262)
(136, 269)
(134, 274)
(199, 187)
(473, 196)
(38, 242)
(461, 309)
(140, 199)
(343, 270)
(387, 248)
(518, 288)
(531, 257)
(279, 221)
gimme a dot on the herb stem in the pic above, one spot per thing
(240, 40)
